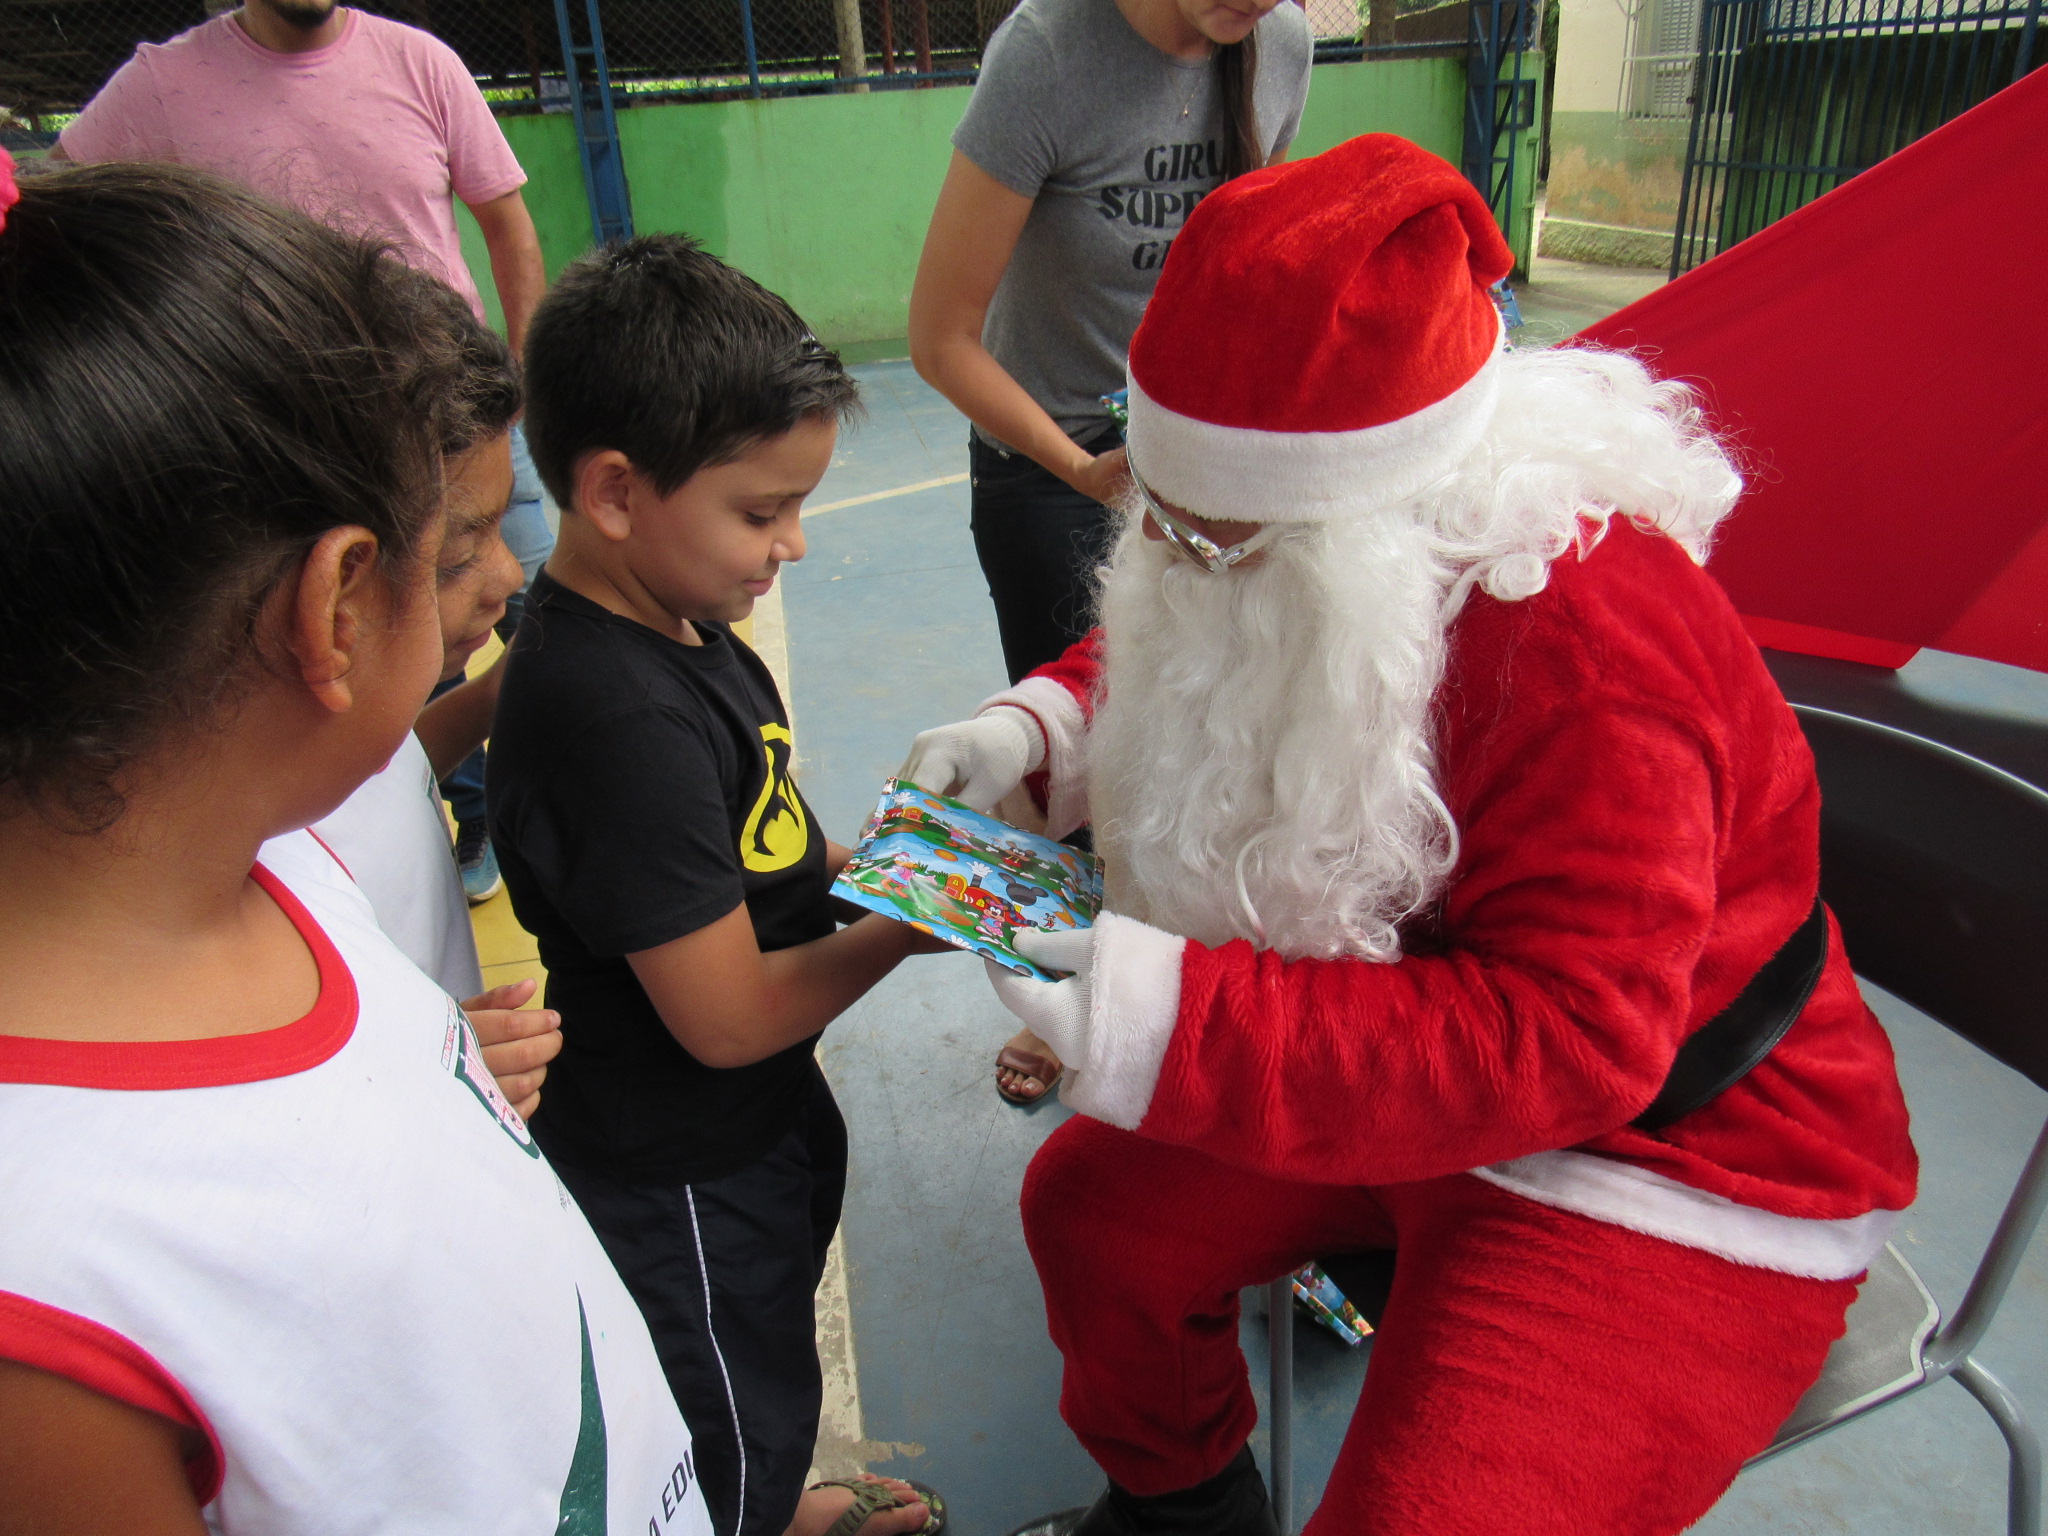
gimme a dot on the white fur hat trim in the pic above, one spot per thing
(1245, 474)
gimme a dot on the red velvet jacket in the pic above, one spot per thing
(1640, 832)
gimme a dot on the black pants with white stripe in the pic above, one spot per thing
(726, 1273)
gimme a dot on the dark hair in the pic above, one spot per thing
(1237, 70)
(195, 385)
(487, 394)
(659, 350)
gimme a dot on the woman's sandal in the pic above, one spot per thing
(1027, 1064)
(870, 1499)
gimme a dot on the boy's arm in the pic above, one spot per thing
(729, 1005)
(455, 724)
(76, 1463)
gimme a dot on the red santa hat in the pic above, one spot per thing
(1321, 341)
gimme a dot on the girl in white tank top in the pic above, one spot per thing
(275, 1254)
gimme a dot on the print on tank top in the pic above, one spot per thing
(583, 1490)
(463, 1055)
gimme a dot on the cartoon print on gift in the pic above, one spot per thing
(962, 874)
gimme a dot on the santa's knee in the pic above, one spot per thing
(1072, 1183)
(1097, 1200)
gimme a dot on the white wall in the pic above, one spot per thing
(1592, 45)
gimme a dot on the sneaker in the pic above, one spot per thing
(478, 862)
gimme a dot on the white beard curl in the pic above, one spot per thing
(1261, 762)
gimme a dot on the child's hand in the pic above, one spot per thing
(518, 1042)
(921, 943)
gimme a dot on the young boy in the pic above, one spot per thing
(654, 843)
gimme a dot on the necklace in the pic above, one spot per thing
(1193, 84)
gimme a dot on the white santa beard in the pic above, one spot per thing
(1259, 764)
(1261, 760)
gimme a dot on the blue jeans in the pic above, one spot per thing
(531, 540)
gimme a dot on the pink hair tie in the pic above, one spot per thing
(10, 193)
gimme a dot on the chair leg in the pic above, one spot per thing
(2023, 1488)
(1280, 1399)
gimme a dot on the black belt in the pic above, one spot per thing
(1722, 1051)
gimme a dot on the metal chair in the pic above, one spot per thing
(1936, 866)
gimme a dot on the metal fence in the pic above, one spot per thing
(593, 58)
(54, 54)
(1794, 97)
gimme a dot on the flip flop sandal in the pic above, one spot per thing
(871, 1499)
(1044, 1068)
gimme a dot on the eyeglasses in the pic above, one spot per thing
(1192, 543)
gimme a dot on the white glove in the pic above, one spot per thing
(1055, 1011)
(979, 760)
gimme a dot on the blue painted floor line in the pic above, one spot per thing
(890, 632)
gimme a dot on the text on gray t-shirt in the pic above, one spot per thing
(1115, 142)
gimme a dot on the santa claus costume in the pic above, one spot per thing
(1433, 830)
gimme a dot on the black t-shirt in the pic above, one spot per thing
(639, 790)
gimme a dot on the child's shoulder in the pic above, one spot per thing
(578, 663)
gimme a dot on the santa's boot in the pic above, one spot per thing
(1232, 1503)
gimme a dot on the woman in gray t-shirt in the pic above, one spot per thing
(1095, 129)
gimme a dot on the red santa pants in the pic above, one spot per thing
(1537, 1372)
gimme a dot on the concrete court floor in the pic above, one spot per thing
(889, 632)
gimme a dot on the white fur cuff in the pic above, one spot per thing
(1135, 1000)
(1065, 726)
(1650, 1203)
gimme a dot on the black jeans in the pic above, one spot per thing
(1039, 541)
(726, 1273)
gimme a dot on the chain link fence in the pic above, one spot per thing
(1389, 29)
(54, 54)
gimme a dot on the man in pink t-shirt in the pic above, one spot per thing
(374, 127)
(363, 122)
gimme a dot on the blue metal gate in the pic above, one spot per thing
(597, 126)
(1791, 98)
(1501, 100)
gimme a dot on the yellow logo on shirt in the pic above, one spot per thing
(776, 834)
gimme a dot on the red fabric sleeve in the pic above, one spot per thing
(1585, 895)
(101, 1360)
(1077, 669)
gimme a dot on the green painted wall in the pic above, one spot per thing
(825, 198)
(1609, 169)
(1423, 100)
(1420, 99)
(546, 147)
